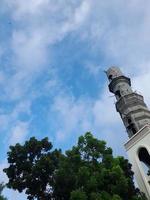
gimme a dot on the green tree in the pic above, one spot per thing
(1, 190)
(78, 195)
(86, 172)
(31, 168)
(89, 168)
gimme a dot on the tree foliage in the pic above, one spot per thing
(86, 172)
(31, 168)
(1, 190)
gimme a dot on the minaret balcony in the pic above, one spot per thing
(130, 100)
(117, 80)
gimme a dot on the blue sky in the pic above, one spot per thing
(52, 57)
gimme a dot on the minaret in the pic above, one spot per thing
(136, 118)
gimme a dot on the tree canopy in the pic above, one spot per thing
(86, 172)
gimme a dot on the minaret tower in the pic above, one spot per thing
(136, 118)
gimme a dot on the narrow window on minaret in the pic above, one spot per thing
(133, 130)
(129, 121)
(131, 126)
(117, 93)
(110, 77)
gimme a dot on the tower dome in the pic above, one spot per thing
(113, 72)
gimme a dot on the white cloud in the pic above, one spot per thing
(81, 13)
(104, 110)
(142, 86)
(18, 133)
(25, 8)
(74, 116)
(93, 69)
(38, 25)
(84, 114)
(29, 50)
(105, 25)
(120, 33)
(16, 130)
(110, 27)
